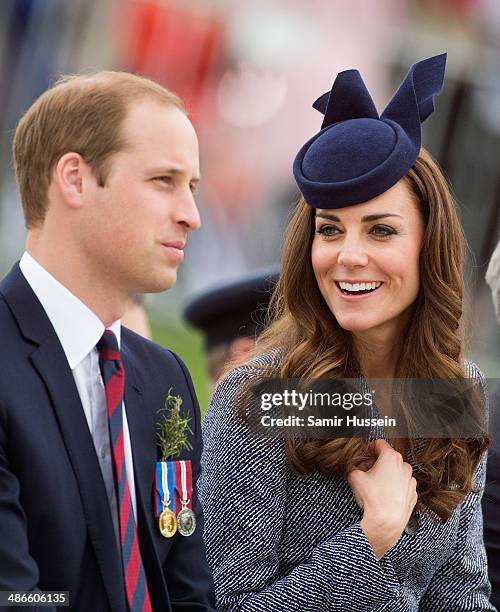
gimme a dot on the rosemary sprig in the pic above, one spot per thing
(173, 429)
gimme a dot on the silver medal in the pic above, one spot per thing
(186, 522)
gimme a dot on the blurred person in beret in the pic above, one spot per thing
(370, 288)
(92, 501)
(491, 498)
(231, 315)
(136, 317)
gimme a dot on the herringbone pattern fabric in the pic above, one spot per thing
(277, 542)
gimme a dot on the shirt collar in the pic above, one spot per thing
(77, 327)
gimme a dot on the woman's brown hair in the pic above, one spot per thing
(311, 343)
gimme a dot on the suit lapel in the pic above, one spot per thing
(51, 364)
(143, 441)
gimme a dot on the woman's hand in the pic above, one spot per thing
(387, 492)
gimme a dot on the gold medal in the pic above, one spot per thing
(167, 523)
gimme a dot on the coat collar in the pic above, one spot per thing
(76, 325)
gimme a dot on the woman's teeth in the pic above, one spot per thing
(359, 287)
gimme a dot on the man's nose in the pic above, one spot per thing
(186, 211)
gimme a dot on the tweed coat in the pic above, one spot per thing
(491, 500)
(277, 542)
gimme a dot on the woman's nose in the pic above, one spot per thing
(352, 254)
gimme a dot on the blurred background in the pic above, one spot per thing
(249, 71)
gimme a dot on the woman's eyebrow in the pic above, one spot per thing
(380, 216)
(365, 219)
(324, 215)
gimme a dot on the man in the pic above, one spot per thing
(106, 166)
(491, 497)
(231, 315)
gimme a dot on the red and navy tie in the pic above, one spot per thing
(113, 375)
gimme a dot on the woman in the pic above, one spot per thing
(371, 285)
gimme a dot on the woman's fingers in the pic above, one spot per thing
(366, 465)
(384, 485)
(386, 490)
(381, 445)
(353, 478)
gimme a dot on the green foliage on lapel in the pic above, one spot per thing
(173, 429)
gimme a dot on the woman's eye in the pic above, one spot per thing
(328, 230)
(382, 231)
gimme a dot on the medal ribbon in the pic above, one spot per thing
(165, 483)
(172, 473)
(159, 489)
(186, 489)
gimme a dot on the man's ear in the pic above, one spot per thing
(68, 178)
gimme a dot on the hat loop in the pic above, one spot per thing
(358, 155)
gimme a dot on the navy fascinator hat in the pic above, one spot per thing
(358, 155)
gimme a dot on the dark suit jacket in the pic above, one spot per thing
(491, 501)
(56, 531)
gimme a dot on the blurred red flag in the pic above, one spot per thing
(175, 45)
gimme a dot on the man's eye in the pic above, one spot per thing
(193, 187)
(382, 231)
(164, 179)
(328, 230)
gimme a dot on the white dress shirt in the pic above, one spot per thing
(79, 330)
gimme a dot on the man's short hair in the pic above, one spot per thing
(82, 114)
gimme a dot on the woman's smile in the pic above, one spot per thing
(358, 290)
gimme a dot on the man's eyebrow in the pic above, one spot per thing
(365, 219)
(173, 170)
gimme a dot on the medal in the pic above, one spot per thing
(186, 519)
(186, 522)
(165, 478)
(167, 523)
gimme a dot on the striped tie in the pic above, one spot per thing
(113, 375)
